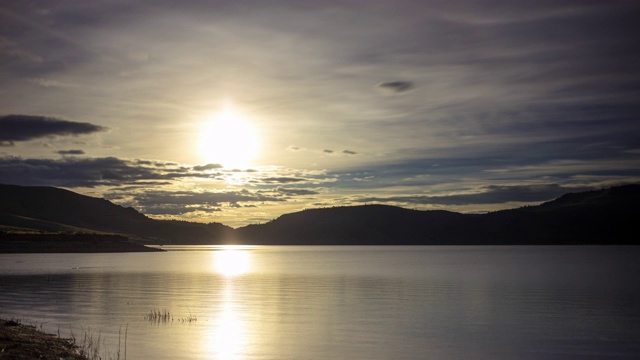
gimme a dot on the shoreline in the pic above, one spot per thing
(31, 242)
(22, 342)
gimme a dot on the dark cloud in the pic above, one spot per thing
(177, 210)
(28, 127)
(207, 167)
(327, 151)
(90, 172)
(70, 152)
(395, 87)
(282, 180)
(296, 192)
(71, 171)
(183, 202)
(137, 187)
(184, 198)
(144, 162)
(349, 152)
(492, 194)
(550, 160)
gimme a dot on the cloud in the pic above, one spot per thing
(70, 152)
(73, 171)
(203, 198)
(207, 167)
(183, 202)
(91, 172)
(29, 127)
(180, 202)
(282, 180)
(48, 83)
(349, 152)
(14, 50)
(395, 87)
(177, 210)
(295, 192)
(492, 194)
(327, 151)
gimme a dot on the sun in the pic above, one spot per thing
(229, 139)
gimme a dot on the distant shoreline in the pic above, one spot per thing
(32, 242)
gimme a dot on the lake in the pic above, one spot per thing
(280, 302)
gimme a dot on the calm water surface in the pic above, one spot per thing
(338, 302)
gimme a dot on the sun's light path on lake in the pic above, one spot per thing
(229, 336)
(229, 339)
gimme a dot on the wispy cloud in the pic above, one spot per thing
(11, 49)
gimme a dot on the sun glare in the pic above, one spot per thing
(231, 262)
(229, 140)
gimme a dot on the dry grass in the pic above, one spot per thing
(164, 317)
(159, 317)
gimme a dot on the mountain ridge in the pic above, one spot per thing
(54, 209)
(605, 216)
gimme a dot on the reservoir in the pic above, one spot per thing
(336, 302)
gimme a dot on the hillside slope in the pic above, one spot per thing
(53, 209)
(605, 216)
(596, 217)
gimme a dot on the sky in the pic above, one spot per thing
(240, 111)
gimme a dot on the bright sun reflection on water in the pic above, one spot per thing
(231, 261)
(228, 338)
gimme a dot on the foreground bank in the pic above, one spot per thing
(22, 342)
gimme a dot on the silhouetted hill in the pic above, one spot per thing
(368, 224)
(605, 216)
(595, 217)
(53, 209)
